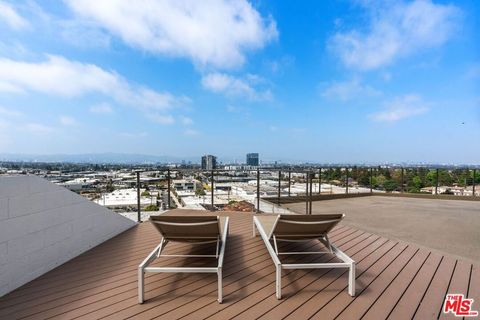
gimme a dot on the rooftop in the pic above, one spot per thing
(394, 278)
(447, 226)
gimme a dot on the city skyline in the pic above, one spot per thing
(332, 82)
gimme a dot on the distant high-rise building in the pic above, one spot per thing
(209, 162)
(252, 159)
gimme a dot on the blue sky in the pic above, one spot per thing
(324, 81)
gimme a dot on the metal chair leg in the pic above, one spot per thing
(140, 285)
(220, 285)
(279, 282)
(351, 280)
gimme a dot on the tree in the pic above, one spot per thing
(109, 187)
(390, 185)
(364, 179)
(200, 192)
(380, 180)
(476, 179)
(415, 185)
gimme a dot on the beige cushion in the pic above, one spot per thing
(267, 222)
(178, 228)
(305, 226)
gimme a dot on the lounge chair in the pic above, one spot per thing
(192, 230)
(299, 228)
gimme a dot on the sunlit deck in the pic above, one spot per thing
(394, 280)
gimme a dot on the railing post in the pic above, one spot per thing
(320, 181)
(436, 183)
(279, 185)
(346, 180)
(403, 182)
(371, 180)
(258, 190)
(212, 192)
(289, 178)
(139, 217)
(473, 187)
(306, 194)
(168, 188)
(312, 175)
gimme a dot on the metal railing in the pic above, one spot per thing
(331, 180)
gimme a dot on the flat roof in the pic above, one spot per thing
(449, 226)
(394, 278)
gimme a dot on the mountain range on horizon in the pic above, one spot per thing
(107, 157)
(119, 158)
(133, 158)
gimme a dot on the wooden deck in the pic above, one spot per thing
(394, 280)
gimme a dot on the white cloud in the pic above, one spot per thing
(400, 108)
(11, 17)
(236, 87)
(397, 29)
(348, 90)
(214, 33)
(101, 108)
(62, 77)
(67, 121)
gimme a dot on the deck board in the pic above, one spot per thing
(394, 279)
(395, 275)
(247, 304)
(408, 303)
(298, 304)
(459, 283)
(432, 301)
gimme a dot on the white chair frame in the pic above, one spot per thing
(347, 262)
(157, 253)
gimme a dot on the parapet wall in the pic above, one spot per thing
(43, 225)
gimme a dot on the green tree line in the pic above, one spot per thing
(390, 179)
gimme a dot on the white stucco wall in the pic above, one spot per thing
(43, 225)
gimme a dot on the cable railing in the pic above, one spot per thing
(152, 189)
(268, 189)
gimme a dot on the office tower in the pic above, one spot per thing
(252, 159)
(209, 162)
